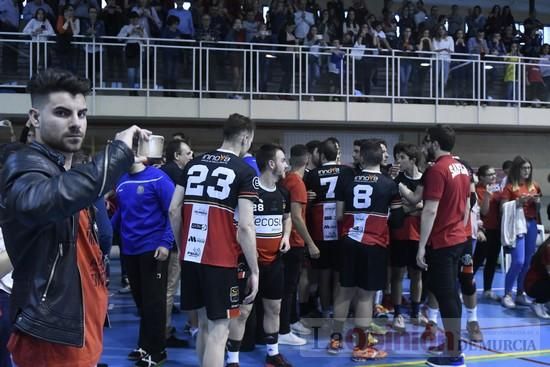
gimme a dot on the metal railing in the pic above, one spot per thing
(269, 71)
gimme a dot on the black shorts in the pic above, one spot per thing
(212, 287)
(403, 254)
(272, 279)
(243, 271)
(330, 256)
(363, 266)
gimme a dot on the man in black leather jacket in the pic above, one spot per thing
(42, 205)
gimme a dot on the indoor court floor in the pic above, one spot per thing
(513, 338)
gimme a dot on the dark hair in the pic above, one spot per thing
(92, 7)
(173, 147)
(236, 124)
(179, 133)
(507, 165)
(444, 135)
(482, 170)
(330, 149)
(133, 15)
(265, 154)
(380, 141)
(42, 10)
(172, 19)
(67, 7)
(298, 155)
(515, 173)
(56, 80)
(312, 145)
(371, 152)
(358, 142)
(410, 150)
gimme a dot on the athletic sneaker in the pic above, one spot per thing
(508, 302)
(540, 311)
(429, 332)
(152, 360)
(437, 350)
(335, 344)
(522, 300)
(291, 339)
(376, 330)
(419, 320)
(399, 323)
(276, 361)
(444, 361)
(367, 354)
(474, 332)
(232, 365)
(137, 354)
(490, 295)
(299, 328)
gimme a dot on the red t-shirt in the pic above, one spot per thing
(296, 188)
(28, 351)
(491, 220)
(530, 207)
(447, 181)
(537, 270)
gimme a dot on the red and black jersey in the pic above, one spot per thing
(410, 230)
(213, 184)
(322, 223)
(368, 198)
(268, 218)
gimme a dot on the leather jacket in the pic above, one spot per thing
(39, 206)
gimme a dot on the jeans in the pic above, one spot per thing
(521, 258)
(405, 72)
(314, 74)
(133, 77)
(512, 91)
(5, 329)
(443, 67)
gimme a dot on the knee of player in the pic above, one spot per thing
(272, 307)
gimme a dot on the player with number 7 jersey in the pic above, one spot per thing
(213, 184)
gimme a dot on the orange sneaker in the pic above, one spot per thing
(367, 354)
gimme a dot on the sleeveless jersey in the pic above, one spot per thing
(368, 198)
(322, 223)
(268, 218)
(410, 230)
(213, 184)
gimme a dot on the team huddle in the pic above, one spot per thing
(338, 219)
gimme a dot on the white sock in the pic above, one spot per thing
(472, 313)
(272, 349)
(232, 357)
(432, 314)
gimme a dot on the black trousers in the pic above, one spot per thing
(443, 265)
(148, 283)
(488, 252)
(289, 305)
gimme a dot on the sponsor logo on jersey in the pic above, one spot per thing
(140, 189)
(193, 252)
(329, 171)
(366, 178)
(328, 217)
(234, 294)
(256, 182)
(216, 158)
(202, 227)
(268, 221)
(194, 239)
(199, 211)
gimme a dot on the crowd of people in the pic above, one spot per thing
(328, 36)
(313, 238)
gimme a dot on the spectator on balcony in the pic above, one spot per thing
(148, 18)
(433, 19)
(493, 23)
(335, 69)
(67, 27)
(476, 22)
(170, 55)
(510, 37)
(287, 37)
(324, 25)
(134, 34)
(31, 7)
(532, 23)
(250, 25)
(389, 26)
(185, 24)
(361, 11)
(383, 43)
(316, 43)
(81, 7)
(462, 69)
(507, 19)
(535, 82)
(511, 74)
(420, 14)
(113, 19)
(9, 22)
(350, 24)
(303, 20)
(218, 18)
(532, 42)
(406, 19)
(456, 21)
(264, 61)
(407, 45)
(237, 34)
(39, 28)
(276, 18)
(207, 34)
(478, 46)
(495, 71)
(95, 29)
(422, 68)
(545, 69)
(443, 44)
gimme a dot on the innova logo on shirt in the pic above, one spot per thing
(216, 158)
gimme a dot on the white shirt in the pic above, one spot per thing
(304, 20)
(444, 43)
(33, 25)
(6, 283)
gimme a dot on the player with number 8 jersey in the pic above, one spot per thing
(213, 184)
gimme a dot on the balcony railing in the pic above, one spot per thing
(270, 71)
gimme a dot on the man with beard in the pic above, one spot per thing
(59, 296)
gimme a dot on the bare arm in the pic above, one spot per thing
(287, 228)
(300, 225)
(485, 203)
(468, 206)
(412, 198)
(174, 212)
(246, 233)
(427, 220)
